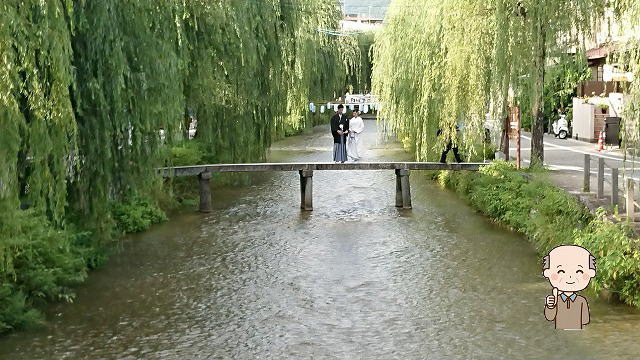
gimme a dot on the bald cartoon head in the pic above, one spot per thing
(569, 268)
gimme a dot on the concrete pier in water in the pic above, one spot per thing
(402, 170)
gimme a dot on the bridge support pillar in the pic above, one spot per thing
(205, 192)
(306, 190)
(403, 189)
(398, 189)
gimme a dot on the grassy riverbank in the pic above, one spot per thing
(34, 272)
(527, 202)
(43, 263)
(93, 91)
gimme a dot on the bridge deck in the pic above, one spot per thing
(265, 167)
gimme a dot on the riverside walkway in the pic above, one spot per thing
(305, 170)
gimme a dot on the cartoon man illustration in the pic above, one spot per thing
(569, 269)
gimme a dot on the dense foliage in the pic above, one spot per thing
(561, 81)
(361, 80)
(86, 87)
(528, 203)
(441, 62)
(629, 58)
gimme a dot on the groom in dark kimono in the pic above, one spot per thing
(340, 135)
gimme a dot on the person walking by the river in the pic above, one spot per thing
(356, 127)
(443, 157)
(339, 130)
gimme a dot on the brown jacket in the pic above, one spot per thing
(569, 313)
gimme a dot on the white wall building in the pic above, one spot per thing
(360, 23)
(600, 97)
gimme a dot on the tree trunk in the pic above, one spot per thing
(537, 108)
(504, 140)
(505, 136)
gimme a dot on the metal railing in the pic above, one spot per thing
(628, 182)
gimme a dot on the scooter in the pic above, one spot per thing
(561, 127)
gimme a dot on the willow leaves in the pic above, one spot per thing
(442, 63)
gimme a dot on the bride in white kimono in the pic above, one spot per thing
(354, 143)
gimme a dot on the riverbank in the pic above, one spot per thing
(355, 278)
(36, 274)
(529, 203)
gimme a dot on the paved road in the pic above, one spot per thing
(568, 154)
(566, 159)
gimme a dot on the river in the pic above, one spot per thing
(356, 278)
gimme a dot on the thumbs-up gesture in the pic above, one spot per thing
(552, 300)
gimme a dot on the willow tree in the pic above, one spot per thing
(86, 86)
(442, 62)
(361, 80)
(128, 86)
(255, 64)
(628, 13)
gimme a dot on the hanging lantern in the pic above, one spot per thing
(352, 107)
(335, 107)
(311, 107)
(365, 109)
(322, 109)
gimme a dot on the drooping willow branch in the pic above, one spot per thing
(88, 85)
(439, 63)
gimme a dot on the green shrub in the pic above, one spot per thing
(618, 258)
(529, 203)
(15, 313)
(39, 263)
(188, 153)
(481, 152)
(137, 214)
(526, 202)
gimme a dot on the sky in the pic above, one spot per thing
(378, 7)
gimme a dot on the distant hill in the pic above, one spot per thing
(378, 7)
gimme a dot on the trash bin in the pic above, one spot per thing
(612, 131)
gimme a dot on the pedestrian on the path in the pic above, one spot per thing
(443, 157)
(339, 130)
(356, 127)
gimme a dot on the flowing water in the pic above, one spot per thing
(356, 278)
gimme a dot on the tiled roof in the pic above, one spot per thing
(602, 51)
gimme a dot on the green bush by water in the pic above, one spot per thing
(527, 202)
(616, 250)
(87, 87)
(39, 263)
(137, 214)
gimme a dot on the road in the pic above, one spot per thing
(566, 159)
(568, 154)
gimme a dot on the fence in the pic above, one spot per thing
(628, 186)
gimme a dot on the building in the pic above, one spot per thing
(600, 99)
(355, 22)
(609, 37)
(601, 82)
